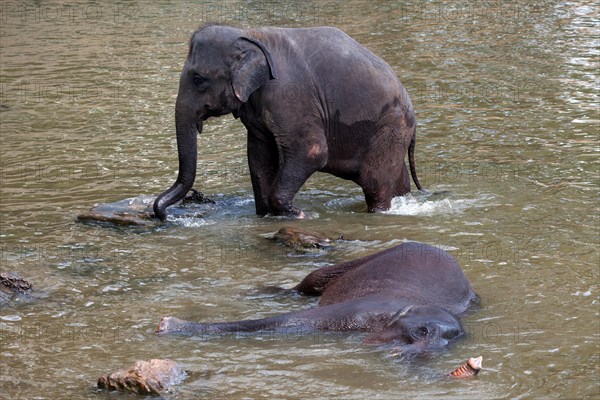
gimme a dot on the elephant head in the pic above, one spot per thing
(223, 68)
(419, 329)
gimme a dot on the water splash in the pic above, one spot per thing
(226, 208)
(192, 222)
(429, 205)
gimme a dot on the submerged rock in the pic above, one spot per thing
(132, 211)
(138, 210)
(300, 239)
(12, 285)
(152, 377)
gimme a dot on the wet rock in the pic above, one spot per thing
(139, 211)
(301, 239)
(153, 377)
(13, 286)
(197, 198)
(132, 211)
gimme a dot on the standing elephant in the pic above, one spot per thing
(410, 295)
(312, 99)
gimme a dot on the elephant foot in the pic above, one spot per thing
(379, 206)
(295, 213)
(299, 214)
(292, 213)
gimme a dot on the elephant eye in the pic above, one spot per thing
(421, 332)
(199, 80)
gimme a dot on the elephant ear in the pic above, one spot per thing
(253, 67)
(391, 332)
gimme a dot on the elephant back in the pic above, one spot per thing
(426, 274)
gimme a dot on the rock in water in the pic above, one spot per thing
(139, 211)
(299, 239)
(144, 377)
(12, 286)
(132, 211)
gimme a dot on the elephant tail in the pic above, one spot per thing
(411, 162)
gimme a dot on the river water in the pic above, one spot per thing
(506, 96)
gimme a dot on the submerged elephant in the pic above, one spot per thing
(409, 295)
(311, 99)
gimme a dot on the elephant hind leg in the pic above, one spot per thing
(384, 174)
(403, 182)
(380, 186)
(297, 162)
(378, 200)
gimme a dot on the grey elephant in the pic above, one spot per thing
(311, 99)
(410, 295)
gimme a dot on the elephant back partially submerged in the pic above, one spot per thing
(418, 272)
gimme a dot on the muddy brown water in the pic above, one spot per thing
(506, 95)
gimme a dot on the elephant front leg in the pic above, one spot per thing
(281, 200)
(298, 161)
(262, 162)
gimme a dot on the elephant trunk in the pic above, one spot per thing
(176, 325)
(299, 320)
(187, 130)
